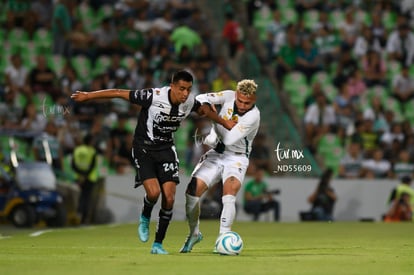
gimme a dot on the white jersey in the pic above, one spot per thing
(240, 138)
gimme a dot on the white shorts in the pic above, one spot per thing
(214, 167)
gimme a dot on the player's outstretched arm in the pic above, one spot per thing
(81, 96)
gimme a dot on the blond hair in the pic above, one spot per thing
(247, 87)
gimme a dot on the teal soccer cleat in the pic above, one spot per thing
(143, 229)
(190, 242)
(158, 249)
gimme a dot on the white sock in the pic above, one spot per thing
(228, 214)
(192, 210)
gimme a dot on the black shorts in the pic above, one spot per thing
(159, 164)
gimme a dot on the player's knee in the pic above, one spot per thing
(192, 187)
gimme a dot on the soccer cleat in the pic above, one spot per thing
(190, 242)
(158, 249)
(143, 229)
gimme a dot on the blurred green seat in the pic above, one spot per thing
(43, 40)
(18, 37)
(56, 62)
(310, 18)
(337, 18)
(289, 15)
(293, 80)
(101, 64)
(83, 67)
(389, 19)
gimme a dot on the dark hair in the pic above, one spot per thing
(182, 75)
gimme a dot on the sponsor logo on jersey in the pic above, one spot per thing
(167, 118)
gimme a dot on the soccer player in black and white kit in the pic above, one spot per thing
(153, 150)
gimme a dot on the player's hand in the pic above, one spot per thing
(206, 108)
(80, 96)
(229, 124)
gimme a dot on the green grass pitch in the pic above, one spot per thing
(269, 248)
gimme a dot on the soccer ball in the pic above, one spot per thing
(229, 243)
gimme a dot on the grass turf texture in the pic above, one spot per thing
(269, 248)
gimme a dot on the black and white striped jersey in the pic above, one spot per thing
(159, 118)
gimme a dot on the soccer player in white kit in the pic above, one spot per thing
(228, 160)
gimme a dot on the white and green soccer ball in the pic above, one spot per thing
(229, 243)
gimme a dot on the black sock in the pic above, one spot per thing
(148, 205)
(164, 220)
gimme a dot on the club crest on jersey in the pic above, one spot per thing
(157, 92)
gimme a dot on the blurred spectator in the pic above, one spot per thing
(165, 22)
(350, 166)
(394, 133)
(319, 119)
(376, 166)
(33, 120)
(85, 112)
(307, 60)
(374, 69)
(142, 22)
(323, 198)
(181, 9)
(199, 23)
(106, 40)
(120, 145)
(84, 163)
(403, 86)
(46, 147)
(232, 34)
(350, 28)
(16, 76)
(356, 86)
(131, 40)
(301, 6)
(62, 26)
(316, 89)
(17, 13)
(400, 209)
(43, 11)
(366, 42)
(323, 22)
(258, 199)
(286, 59)
(10, 111)
(275, 35)
(224, 82)
(369, 137)
(69, 81)
(204, 58)
(401, 201)
(376, 111)
(400, 45)
(260, 157)
(327, 44)
(42, 78)
(81, 41)
(403, 167)
(379, 32)
(346, 65)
